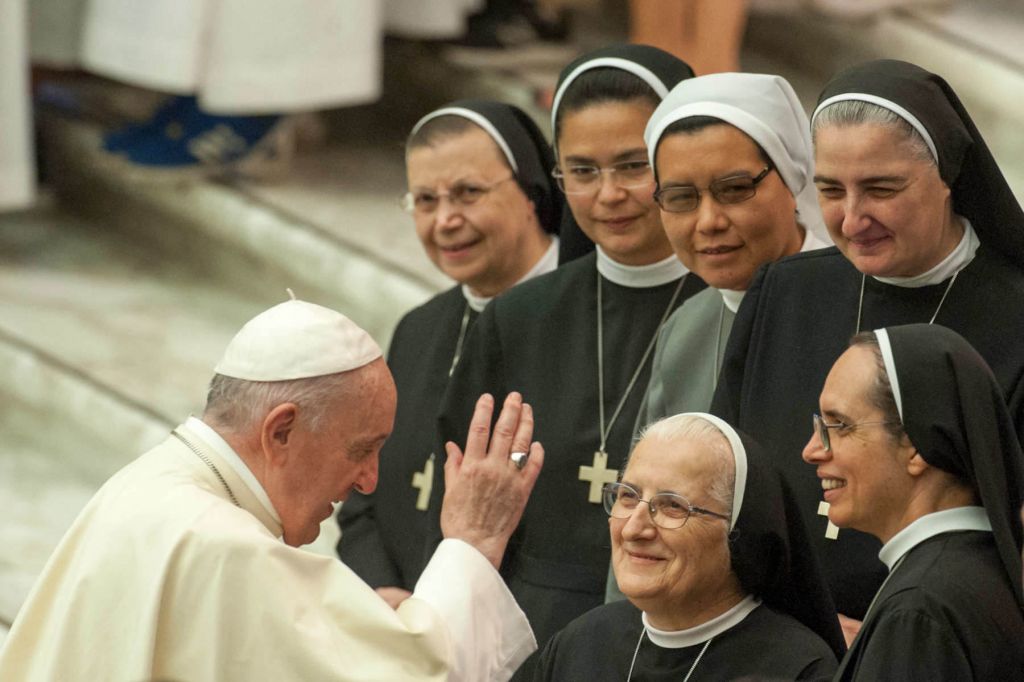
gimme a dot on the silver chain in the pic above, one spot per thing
(693, 667)
(605, 430)
(860, 302)
(208, 463)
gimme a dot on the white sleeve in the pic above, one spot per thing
(490, 636)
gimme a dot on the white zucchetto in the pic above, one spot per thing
(297, 340)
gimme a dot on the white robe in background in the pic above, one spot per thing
(429, 19)
(238, 56)
(17, 169)
(162, 576)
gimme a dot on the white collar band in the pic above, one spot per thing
(678, 639)
(639, 276)
(958, 259)
(930, 525)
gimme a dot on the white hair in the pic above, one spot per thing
(239, 405)
(846, 113)
(689, 427)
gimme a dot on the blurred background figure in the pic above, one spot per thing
(705, 33)
(234, 69)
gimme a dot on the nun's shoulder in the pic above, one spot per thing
(444, 304)
(781, 632)
(807, 264)
(605, 623)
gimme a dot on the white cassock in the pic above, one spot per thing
(164, 576)
(17, 170)
(429, 19)
(238, 56)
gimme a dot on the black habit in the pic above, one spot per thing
(947, 613)
(766, 645)
(540, 339)
(800, 312)
(382, 534)
(951, 607)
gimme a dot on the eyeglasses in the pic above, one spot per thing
(587, 179)
(461, 195)
(731, 190)
(668, 510)
(821, 427)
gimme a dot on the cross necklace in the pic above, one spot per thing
(598, 474)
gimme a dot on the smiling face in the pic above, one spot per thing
(625, 223)
(888, 211)
(677, 576)
(323, 466)
(864, 476)
(490, 244)
(726, 243)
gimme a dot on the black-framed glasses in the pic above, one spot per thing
(585, 179)
(821, 427)
(731, 190)
(668, 510)
(425, 202)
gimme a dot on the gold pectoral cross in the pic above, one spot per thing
(597, 475)
(424, 480)
(832, 530)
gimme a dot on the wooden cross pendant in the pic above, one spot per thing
(424, 480)
(597, 475)
(832, 530)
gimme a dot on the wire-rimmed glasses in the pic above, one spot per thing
(821, 427)
(586, 179)
(668, 510)
(731, 190)
(462, 194)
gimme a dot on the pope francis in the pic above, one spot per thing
(185, 565)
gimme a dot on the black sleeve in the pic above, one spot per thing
(361, 547)
(729, 393)
(480, 370)
(911, 646)
(545, 669)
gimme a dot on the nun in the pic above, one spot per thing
(713, 556)
(578, 342)
(926, 230)
(914, 445)
(485, 208)
(734, 168)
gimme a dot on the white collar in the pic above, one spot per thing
(959, 258)
(678, 639)
(639, 276)
(930, 525)
(221, 447)
(733, 297)
(547, 263)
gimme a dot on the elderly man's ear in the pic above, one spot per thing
(277, 436)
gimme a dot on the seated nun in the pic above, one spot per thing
(720, 577)
(926, 229)
(915, 446)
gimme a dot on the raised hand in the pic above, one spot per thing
(485, 492)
